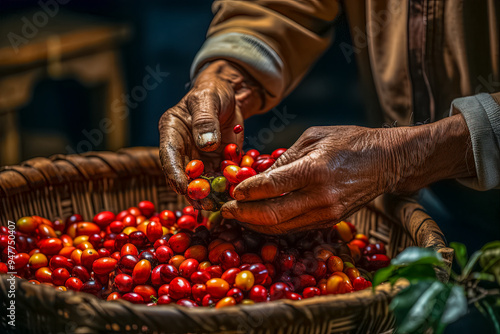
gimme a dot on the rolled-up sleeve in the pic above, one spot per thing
(482, 115)
(275, 41)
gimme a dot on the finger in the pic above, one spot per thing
(205, 106)
(274, 182)
(313, 219)
(173, 137)
(274, 211)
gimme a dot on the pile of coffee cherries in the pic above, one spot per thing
(235, 167)
(183, 257)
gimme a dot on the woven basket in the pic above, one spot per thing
(89, 183)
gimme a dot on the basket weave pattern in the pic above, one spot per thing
(62, 185)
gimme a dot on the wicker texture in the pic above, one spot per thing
(92, 182)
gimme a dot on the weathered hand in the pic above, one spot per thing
(201, 124)
(330, 172)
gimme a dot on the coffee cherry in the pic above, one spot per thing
(163, 254)
(179, 242)
(244, 173)
(59, 276)
(258, 293)
(133, 297)
(73, 283)
(141, 272)
(179, 288)
(168, 272)
(237, 129)
(334, 263)
(124, 283)
(278, 291)
(232, 152)
(154, 231)
(198, 189)
(164, 300)
(104, 218)
(217, 287)
(236, 293)
(188, 267)
(230, 275)
(225, 302)
(167, 218)
(198, 291)
(220, 184)
(276, 153)
(229, 259)
(104, 265)
(187, 222)
(26, 225)
(194, 169)
(197, 252)
(244, 280)
(311, 292)
(146, 292)
(230, 173)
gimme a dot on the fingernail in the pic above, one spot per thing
(239, 196)
(207, 139)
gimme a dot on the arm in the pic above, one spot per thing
(256, 52)
(275, 41)
(330, 172)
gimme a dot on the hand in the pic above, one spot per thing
(331, 172)
(326, 175)
(201, 124)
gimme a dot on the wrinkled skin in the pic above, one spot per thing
(329, 173)
(202, 123)
(332, 171)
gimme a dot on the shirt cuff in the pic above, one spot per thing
(255, 56)
(482, 115)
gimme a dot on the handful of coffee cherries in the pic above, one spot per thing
(235, 167)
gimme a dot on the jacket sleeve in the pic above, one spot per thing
(275, 41)
(482, 115)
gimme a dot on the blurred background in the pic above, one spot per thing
(78, 76)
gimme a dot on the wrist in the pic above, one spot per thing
(420, 155)
(248, 93)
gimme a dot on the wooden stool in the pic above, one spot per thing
(40, 46)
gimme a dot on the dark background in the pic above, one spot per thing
(168, 34)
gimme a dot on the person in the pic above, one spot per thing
(430, 63)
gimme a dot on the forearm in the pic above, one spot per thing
(275, 41)
(425, 154)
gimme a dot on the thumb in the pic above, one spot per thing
(205, 107)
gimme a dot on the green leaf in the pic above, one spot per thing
(460, 253)
(421, 299)
(490, 261)
(472, 262)
(491, 245)
(492, 315)
(417, 272)
(483, 277)
(383, 274)
(456, 305)
(417, 255)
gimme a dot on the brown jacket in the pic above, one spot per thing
(415, 56)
